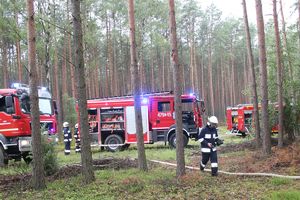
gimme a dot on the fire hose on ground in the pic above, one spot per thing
(231, 173)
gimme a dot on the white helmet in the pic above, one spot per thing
(76, 125)
(66, 124)
(213, 120)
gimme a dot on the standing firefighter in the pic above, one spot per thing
(67, 138)
(208, 138)
(77, 139)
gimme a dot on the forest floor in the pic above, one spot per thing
(245, 158)
(122, 175)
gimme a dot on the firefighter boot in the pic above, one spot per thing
(202, 166)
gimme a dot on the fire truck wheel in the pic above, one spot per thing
(3, 157)
(114, 143)
(172, 140)
(27, 157)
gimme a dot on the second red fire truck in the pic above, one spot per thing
(112, 120)
(239, 119)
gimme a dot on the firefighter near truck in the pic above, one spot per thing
(15, 121)
(112, 120)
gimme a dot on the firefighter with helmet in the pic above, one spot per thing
(208, 139)
(67, 138)
(77, 139)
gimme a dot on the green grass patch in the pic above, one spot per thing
(280, 181)
(14, 168)
(285, 194)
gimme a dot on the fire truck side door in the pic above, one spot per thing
(6, 111)
(162, 114)
(131, 127)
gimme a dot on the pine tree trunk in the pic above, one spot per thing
(279, 76)
(38, 175)
(177, 78)
(4, 63)
(253, 85)
(264, 77)
(71, 66)
(210, 80)
(59, 98)
(291, 135)
(86, 154)
(137, 90)
(64, 69)
(18, 49)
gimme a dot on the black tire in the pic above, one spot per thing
(27, 157)
(3, 157)
(172, 140)
(114, 140)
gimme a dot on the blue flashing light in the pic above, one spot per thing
(192, 94)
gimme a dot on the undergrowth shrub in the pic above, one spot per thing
(49, 156)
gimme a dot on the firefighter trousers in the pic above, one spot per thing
(212, 156)
(67, 148)
(77, 147)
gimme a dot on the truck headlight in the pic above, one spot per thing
(25, 143)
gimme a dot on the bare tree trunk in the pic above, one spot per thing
(233, 79)
(58, 72)
(210, 80)
(264, 77)
(4, 63)
(177, 78)
(86, 154)
(253, 85)
(291, 135)
(18, 49)
(137, 90)
(279, 76)
(64, 69)
(71, 66)
(38, 175)
(299, 23)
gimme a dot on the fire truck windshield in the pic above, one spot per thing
(44, 106)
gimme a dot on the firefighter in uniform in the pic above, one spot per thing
(67, 138)
(77, 139)
(208, 138)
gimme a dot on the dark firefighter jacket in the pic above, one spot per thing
(208, 135)
(67, 135)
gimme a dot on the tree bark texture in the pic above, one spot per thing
(86, 154)
(38, 175)
(177, 79)
(264, 75)
(279, 75)
(253, 80)
(136, 90)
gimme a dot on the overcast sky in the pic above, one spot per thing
(234, 8)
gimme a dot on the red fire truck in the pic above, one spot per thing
(112, 120)
(239, 119)
(232, 119)
(15, 129)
